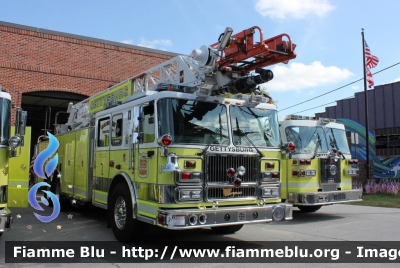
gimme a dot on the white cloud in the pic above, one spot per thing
(355, 88)
(397, 80)
(278, 9)
(129, 42)
(297, 76)
(154, 43)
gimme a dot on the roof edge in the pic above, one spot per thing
(85, 38)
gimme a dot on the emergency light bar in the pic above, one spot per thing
(255, 99)
(302, 117)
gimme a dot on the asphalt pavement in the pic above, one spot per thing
(330, 223)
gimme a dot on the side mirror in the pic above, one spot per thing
(20, 126)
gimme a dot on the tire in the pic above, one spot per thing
(65, 204)
(307, 209)
(120, 211)
(230, 229)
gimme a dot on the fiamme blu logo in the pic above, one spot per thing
(48, 171)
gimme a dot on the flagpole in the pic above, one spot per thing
(366, 108)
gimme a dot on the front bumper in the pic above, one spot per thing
(222, 216)
(325, 198)
(5, 219)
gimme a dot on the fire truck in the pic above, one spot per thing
(166, 148)
(320, 168)
(8, 148)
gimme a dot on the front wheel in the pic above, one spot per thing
(230, 229)
(124, 227)
(308, 209)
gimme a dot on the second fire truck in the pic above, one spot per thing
(319, 170)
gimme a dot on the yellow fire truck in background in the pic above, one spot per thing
(8, 148)
(164, 148)
(319, 170)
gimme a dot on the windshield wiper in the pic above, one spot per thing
(333, 143)
(241, 133)
(220, 127)
(212, 137)
(316, 146)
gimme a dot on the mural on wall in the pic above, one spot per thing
(383, 168)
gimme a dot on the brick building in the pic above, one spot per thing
(42, 68)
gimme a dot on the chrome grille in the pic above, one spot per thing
(217, 165)
(224, 193)
(327, 187)
(326, 176)
(340, 196)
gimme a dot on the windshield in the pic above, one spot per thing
(337, 139)
(193, 122)
(306, 139)
(5, 123)
(257, 125)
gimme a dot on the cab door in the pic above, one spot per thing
(145, 153)
(102, 159)
(120, 138)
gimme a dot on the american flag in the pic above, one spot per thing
(370, 79)
(372, 60)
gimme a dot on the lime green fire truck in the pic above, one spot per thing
(8, 148)
(319, 169)
(165, 148)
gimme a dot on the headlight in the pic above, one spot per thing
(310, 173)
(270, 176)
(352, 172)
(189, 194)
(14, 142)
(270, 192)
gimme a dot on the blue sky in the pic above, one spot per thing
(327, 34)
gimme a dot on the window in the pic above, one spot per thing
(193, 122)
(254, 126)
(116, 130)
(394, 141)
(103, 134)
(381, 142)
(336, 138)
(307, 139)
(148, 124)
(5, 122)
